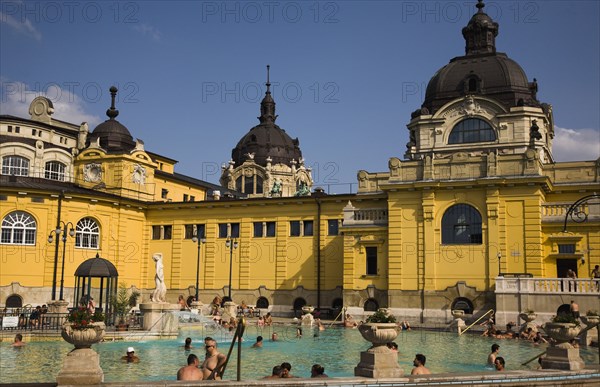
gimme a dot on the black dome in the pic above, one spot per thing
(267, 139)
(114, 136)
(97, 267)
(481, 71)
(492, 75)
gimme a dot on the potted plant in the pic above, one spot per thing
(379, 328)
(122, 303)
(83, 327)
(563, 328)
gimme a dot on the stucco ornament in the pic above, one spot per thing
(469, 107)
(92, 172)
(139, 174)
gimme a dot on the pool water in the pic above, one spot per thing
(336, 349)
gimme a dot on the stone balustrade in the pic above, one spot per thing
(546, 285)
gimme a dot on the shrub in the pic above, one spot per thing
(381, 316)
(565, 318)
(81, 318)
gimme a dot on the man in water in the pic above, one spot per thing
(18, 341)
(130, 356)
(419, 364)
(214, 361)
(499, 363)
(492, 356)
(191, 371)
(276, 373)
(188, 344)
(259, 342)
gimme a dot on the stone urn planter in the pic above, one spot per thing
(458, 313)
(378, 361)
(82, 365)
(378, 334)
(562, 355)
(307, 309)
(562, 332)
(528, 316)
(83, 338)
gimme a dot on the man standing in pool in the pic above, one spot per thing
(214, 361)
(419, 364)
(191, 371)
(492, 356)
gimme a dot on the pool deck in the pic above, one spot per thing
(587, 377)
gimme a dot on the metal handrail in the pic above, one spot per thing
(476, 321)
(338, 316)
(239, 332)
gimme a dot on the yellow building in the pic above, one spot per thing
(476, 194)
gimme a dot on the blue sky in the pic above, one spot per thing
(346, 74)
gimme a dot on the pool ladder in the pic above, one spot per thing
(239, 332)
(476, 321)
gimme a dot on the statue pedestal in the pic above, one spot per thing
(58, 306)
(229, 310)
(160, 317)
(196, 307)
(81, 367)
(378, 364)
(563, 359)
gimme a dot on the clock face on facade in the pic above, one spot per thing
(92, 172)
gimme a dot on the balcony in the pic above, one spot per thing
(364, 216)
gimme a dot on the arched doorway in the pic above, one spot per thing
(298, 304)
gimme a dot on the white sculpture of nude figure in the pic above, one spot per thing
(159, 294)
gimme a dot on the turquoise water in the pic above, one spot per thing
(337, 349)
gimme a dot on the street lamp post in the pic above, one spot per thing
(499, 261)
(200, 241)
(58, 232)
(231, 244)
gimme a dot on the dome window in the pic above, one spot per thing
(471, 130)
(472, 84)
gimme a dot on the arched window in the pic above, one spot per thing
(463, 304)
(461, 224)
(14, 301)
(15, 165)
(472, 84)
(87, 234)
(55, 170)
(471, 130)
(262, 303)
(18, 228)
(371, 305)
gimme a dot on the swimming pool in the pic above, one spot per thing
(337, 349)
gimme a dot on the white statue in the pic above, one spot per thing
(159, 294)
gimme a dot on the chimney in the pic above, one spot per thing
(216, 195)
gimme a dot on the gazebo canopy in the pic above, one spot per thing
(96, 267)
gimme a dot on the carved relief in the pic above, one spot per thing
(139, 174)
(92, 172)
(470, 107)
